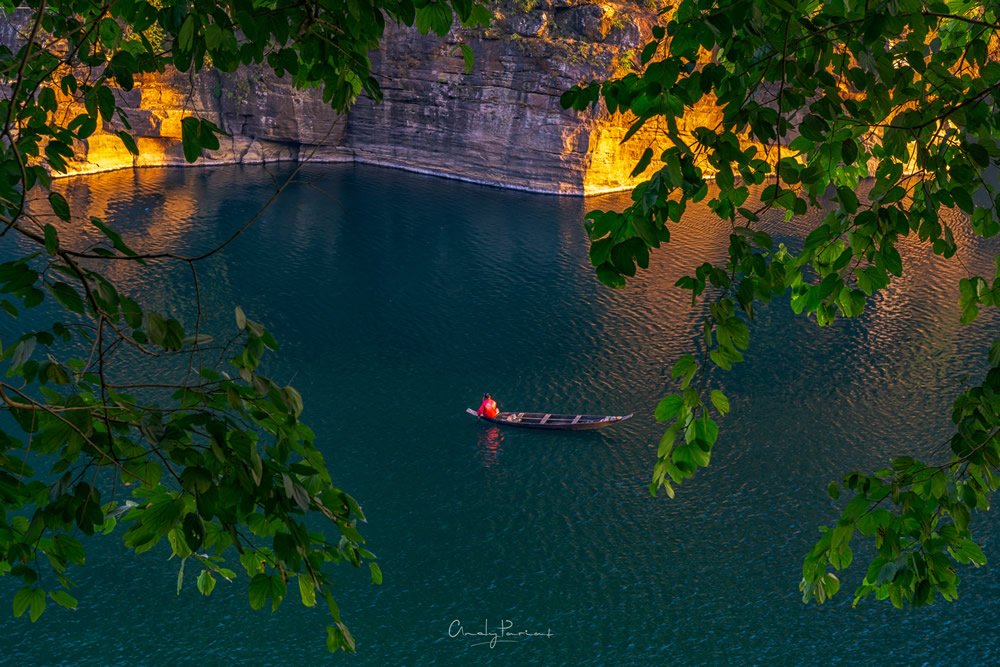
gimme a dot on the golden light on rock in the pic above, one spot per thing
(501, 124)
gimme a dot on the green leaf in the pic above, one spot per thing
(259, 590)
(180, 575)
(691, 456)
(849, 151)
(969, 314)
(468, 56)
(832, 584)
(207, 135)
(163, 515)
(608, 275)
(128, 141)
(295, 492)
(37, 603)
(668, 407)
(59, 206)
(893, 261)
(667, 441)
(706, 430)
(83, 125)
(814, 128)
(855, 508)
(185, 37)
(191, 138)
(294, 400)
(307, 591)
(67, 297)
(22, 600)
(886, 573)
(377, 573)
(961, 515)
(720, 401)
(63, 599)
(132, 312)
(22, 351)
(47, 99)
(196, 479)
(684, 365)
(51, 240)
(206, 582)
(69, 549)
(338, 637)
(436, 16)
(350, 532)
(194, 531)
(995, 354)
(156, 327)
(106, 103)
(263, 587)
(848, 199)
(972, 551)
(213, 36)
(115, 238)
(640, 167)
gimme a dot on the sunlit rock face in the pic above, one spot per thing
(267, 120)
(503, 123)
(500, 124)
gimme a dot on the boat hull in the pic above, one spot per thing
(551, 421)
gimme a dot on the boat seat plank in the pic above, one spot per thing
(545, 419)
(576, 419)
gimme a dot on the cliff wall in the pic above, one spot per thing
(267, 121)
(501, 124)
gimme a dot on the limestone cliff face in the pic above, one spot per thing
(501, 124)
(267, 121)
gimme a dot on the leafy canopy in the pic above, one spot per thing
(193, 444)
(812, 98)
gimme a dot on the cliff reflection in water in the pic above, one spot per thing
(464, 248)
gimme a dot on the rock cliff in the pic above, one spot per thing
(501, 124)
(267, 120)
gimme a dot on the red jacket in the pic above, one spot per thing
(488, 408)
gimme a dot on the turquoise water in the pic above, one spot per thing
(399, 299)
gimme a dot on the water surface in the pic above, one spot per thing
(398, 299)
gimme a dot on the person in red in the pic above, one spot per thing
(488, 408)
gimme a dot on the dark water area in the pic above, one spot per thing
(398, 299)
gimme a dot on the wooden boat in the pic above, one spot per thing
(552, 421)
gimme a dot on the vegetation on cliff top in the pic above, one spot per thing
(603, 35)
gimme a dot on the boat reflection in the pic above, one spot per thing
(489, 447)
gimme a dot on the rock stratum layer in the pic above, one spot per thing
(501, 124)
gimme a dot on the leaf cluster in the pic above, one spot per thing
(194, 445)
(917, 514)
(879, 114)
